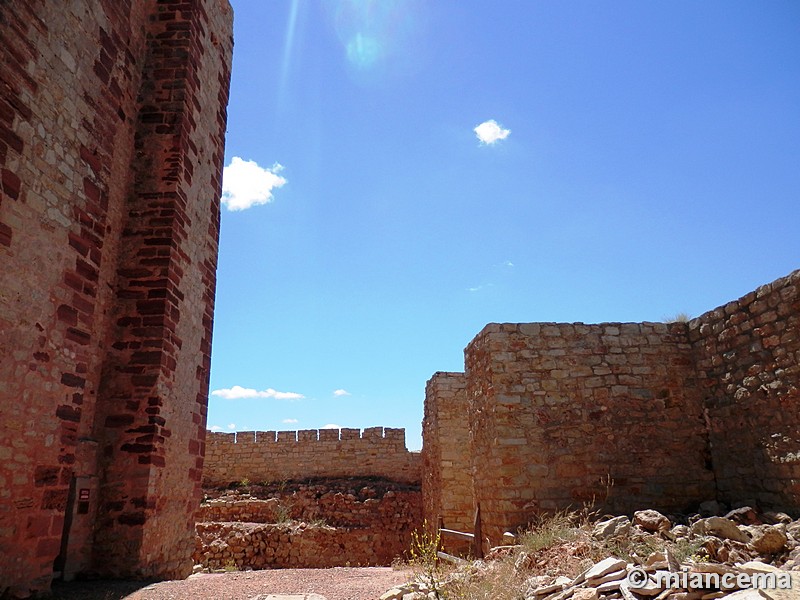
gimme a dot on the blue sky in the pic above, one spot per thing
(639, 159)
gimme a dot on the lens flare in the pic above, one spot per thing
(288, 42)
(379, 35)
(363, 51)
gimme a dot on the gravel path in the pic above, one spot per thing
(339, 583)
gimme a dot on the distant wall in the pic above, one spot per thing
(284, 455)
(566, 414)
(446, 461)
(748, 360)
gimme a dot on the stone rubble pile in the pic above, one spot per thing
(413, 590)
(741, 556)
(735, 557)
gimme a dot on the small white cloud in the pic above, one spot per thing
(237, 392)
(290, 421)
(331, 426)
(489, 132)
(508, 263)
(341, 392)
(246, 184)
(215, 428)
(232, 426)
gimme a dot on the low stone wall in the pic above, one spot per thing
(314, 525)
(365, 506)
(289, 545)
(266, 456)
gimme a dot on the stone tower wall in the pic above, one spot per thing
(269, 456)
(748, 361)
(112, 120)
(564, 415)
(446, 465)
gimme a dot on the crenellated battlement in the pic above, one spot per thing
(307, 453)
(397, 435)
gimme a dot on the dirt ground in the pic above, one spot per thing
(339, 583)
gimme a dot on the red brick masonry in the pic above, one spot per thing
(112, 122)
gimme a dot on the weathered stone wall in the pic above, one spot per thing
(630, 415)
(112, 120)
(566, 414)
(288, 546)
(446, 465)
(260, 456)
(351, 502)
(319, 524)
(748, 361)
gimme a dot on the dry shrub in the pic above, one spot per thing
(550, 530)
(498, 580)
(555, 544)
(424, 559)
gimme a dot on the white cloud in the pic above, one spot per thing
(331, 426)
(246, 184)
(508, 263)
(489, 132)
(215, 428)
(341, 392)
(237, 392)
(232, 426)
(290, 421)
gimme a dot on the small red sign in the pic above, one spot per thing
(83, 495)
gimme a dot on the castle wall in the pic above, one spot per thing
(446, 464)
(748, 362)
(267, 456)
(567, 414)
(626, 416)
(111, 139)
